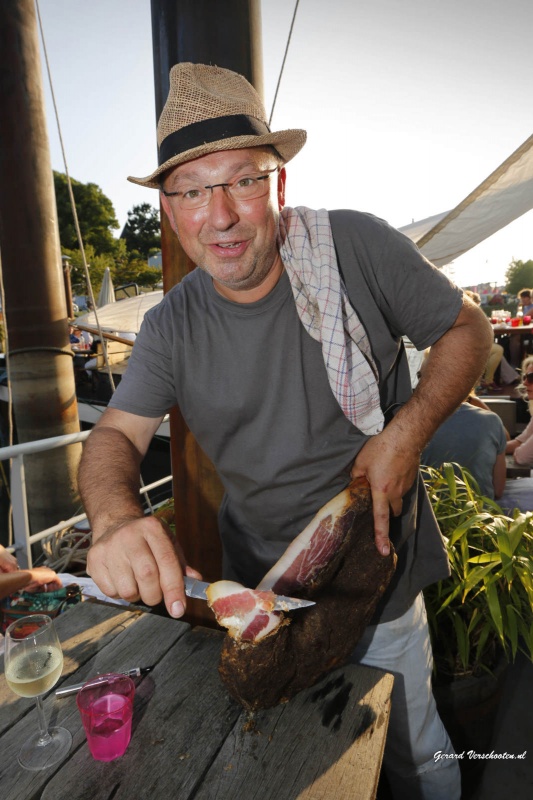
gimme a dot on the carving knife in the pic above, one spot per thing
(194, 588)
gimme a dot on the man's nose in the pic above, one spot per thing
(222, 209)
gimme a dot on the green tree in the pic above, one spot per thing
(96, 216)
(96, 264)
(137, 271)
(131, 267)
(142, 231)
(519, 275)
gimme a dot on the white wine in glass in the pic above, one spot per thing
(33, 665)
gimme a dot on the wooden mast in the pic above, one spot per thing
(227, 34)
(41, 370)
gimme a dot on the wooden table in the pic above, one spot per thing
(190, 739)
(515, 470)
(518, 337)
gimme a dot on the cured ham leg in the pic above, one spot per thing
(334, 562)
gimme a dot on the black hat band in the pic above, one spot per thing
(207, 131)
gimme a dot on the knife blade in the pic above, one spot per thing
(197, 589)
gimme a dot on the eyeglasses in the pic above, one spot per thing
(528, 378)
(240, 190)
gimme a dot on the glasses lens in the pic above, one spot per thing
(528, 377)
(249, 188)
(194, 198)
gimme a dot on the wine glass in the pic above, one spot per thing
(33, 664)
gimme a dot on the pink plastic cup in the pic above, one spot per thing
(515, 322)
(106, 707)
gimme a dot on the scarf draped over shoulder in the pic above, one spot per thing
(308, 253)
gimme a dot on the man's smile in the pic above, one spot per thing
(229, 248)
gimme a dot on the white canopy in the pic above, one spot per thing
(502, 197)
(125, 316)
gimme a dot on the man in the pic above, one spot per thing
(252, 345)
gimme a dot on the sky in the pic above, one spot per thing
(408, 104)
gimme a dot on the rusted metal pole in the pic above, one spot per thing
(227, 34)
(41, 370)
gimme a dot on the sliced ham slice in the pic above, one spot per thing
(309, 555)
(334, 562)
(247, 614)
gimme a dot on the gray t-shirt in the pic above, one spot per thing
(252, 387)
(473, 438)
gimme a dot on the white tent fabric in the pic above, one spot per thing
(502, 197)
(416, 230)
(107, 293)
(124, 316)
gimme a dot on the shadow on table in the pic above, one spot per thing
(327, 740)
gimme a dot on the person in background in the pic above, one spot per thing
(473, 437)
(37, 579)
(508, 376)
(86, 338)
(74, 336)
(525, 301)
(521, 447)
(518, 492)
(495, 356)
(8, 562)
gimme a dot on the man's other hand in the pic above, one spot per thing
(391, 472)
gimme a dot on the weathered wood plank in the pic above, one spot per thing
(190, 740)
(83, 630)
(327, 742)
(182, 714)
(116, 640)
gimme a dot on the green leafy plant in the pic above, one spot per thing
(484, 611)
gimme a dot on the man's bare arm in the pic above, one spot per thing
(109, 475)
(390, 460)
(132, 555)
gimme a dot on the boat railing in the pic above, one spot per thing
(23, 539)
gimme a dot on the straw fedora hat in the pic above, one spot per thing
(209, 109)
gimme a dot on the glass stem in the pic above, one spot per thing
(45, 737)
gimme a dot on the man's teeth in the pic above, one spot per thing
(233, 244)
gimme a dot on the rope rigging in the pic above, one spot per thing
(283, 63)
(73, 201)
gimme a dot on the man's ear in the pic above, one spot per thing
(282, 175)
(168, 211)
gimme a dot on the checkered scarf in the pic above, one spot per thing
(308, 254)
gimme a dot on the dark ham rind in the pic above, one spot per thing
(322, 637)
